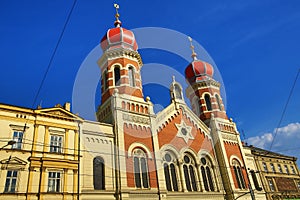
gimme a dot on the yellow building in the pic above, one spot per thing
(39, 153)
(279, 173)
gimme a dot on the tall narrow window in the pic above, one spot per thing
(279, 168)
(271, 185)
(255, 181)
(293, 170)
(140, 169)
(131, 77)
(117, 75)
(189, 173)
(99, 173)
(239, 177)
(218, 102)
(286, 169)
(170, 172)
(207, 174)
(54, 181)
(265, 167)
(56, 143)
(11, 181)
(18, 137)
(272, 167)
(207, 101)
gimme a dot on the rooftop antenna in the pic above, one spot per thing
(194, 54)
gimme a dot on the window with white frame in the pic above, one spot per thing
(117, 75)
(265, 166)
(286, 169)
(11, 181)
(293, 170)
(131, 77)
(279, 168)
(170, 169)
(239, 177)
(99, 173)
(54, 181)
(56, 142)
(18, 138)
(140, 169)
(272, 167)
(207, 174)
(190, 173)
(207, 102)
(271, 185)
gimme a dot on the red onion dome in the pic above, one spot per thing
(199, 69)
(118, 37)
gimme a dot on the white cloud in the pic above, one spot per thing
(261, 141)
(286, 140)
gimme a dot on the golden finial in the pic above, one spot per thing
(194, 55)
(117, 23)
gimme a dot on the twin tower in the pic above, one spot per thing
(178, 152)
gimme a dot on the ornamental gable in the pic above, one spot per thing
(181, 132)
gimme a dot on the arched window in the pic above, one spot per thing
(218, 101)
(98, 173)
(131, 77)
(207, 174)
(177, 91)
(238, 174)
(140, 169)
(189, 173)
(117, 75)
(207, 101)
(170, 172)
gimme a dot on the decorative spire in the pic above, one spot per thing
(173, 79)
(117, 23)
(194, 55)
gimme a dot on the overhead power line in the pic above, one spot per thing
(53, 54)
(284, 110)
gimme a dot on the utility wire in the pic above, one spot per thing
(53, 54)
(284, 110)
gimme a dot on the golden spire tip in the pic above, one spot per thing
(194, 54)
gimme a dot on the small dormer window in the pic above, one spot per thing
(117, 75)
(207, 101)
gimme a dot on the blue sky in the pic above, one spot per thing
(255, 45)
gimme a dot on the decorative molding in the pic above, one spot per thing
(136, 119)
(229, 137)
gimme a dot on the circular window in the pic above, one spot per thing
(203, 161)
(186, 159)
(183, 131)
(168, 157)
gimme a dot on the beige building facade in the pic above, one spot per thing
(39, 153)
(279, 173)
